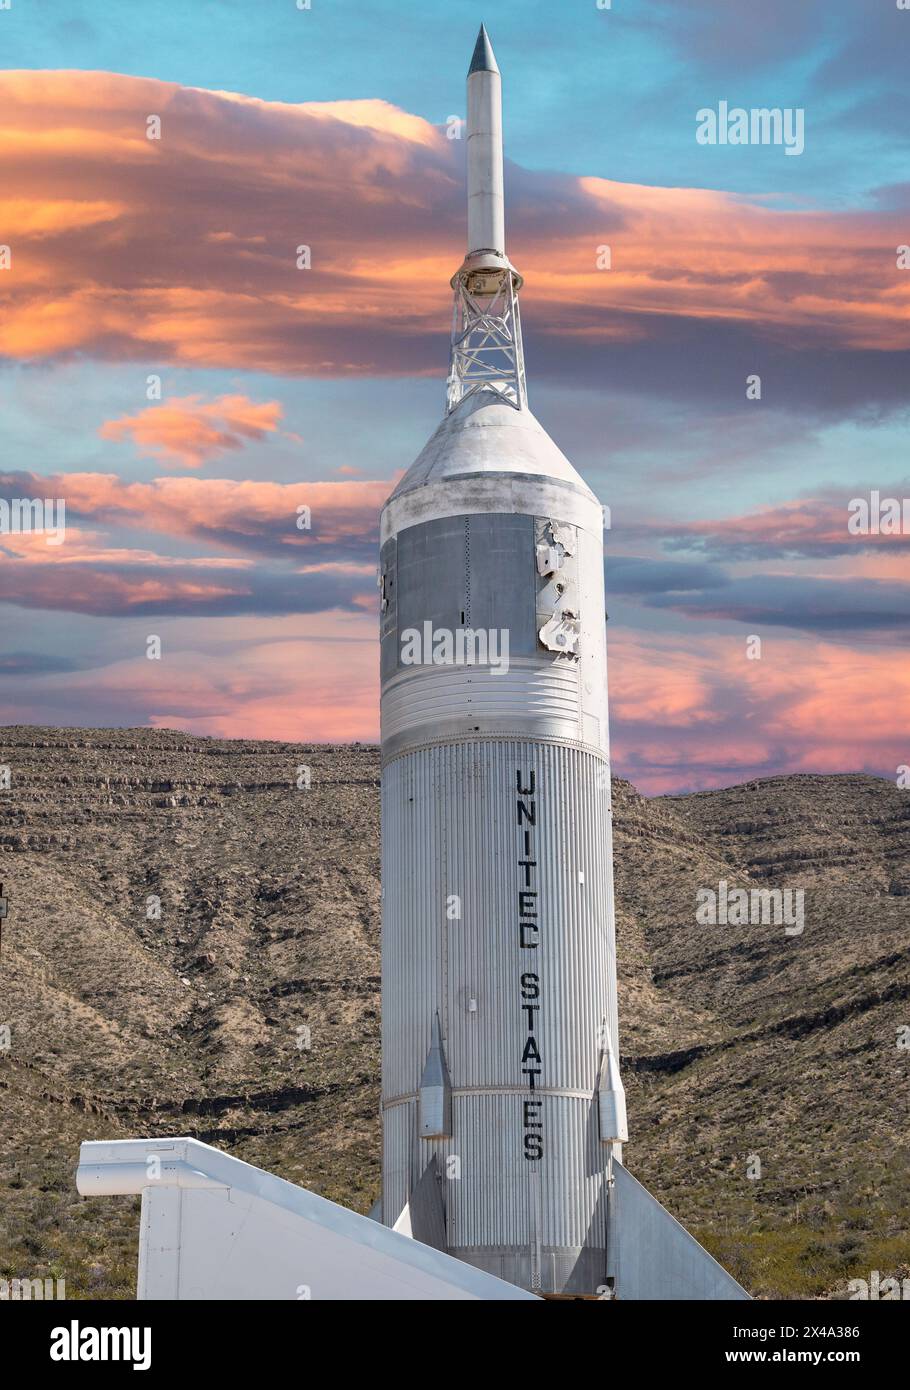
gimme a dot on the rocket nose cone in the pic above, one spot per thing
(484, 59)
(486, 435)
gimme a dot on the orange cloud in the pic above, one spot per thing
(189, 431)
(715, 255)
(185, 249)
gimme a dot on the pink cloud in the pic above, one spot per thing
(807, 526)
(115, 589)
(695, 713)
(82, 547)
(241, 513)
(304, 678)
(685, 712)
(188, 431)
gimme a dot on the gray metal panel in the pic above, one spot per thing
(424, 1216)
(467, 571)
(502, 578)
(434, 1098)
(432, 575)
(478, 573)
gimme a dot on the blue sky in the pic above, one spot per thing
(611, 92)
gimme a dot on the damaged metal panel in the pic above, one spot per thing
(558, 619)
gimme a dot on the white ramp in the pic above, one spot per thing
(654, 1256)
(214, 1227)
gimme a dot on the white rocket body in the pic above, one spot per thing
(498, 951)
(497, 887)
(503, 1110)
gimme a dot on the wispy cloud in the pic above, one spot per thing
(810, 527)
(255, 516)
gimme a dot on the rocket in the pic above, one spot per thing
(504, 1113)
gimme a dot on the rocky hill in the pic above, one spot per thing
(192, 947)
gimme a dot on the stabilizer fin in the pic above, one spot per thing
(424, 1217)
(653, 1257)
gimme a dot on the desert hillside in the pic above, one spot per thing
(738, 1042)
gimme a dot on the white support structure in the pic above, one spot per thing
(214, 1227)
(487, 351)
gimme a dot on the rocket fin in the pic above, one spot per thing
(423, 1217)
(653, 1257)
(434, 1096)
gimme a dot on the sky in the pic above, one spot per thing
(169, 370)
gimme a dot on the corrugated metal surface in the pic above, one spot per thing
(426, 696)
(450, 832)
